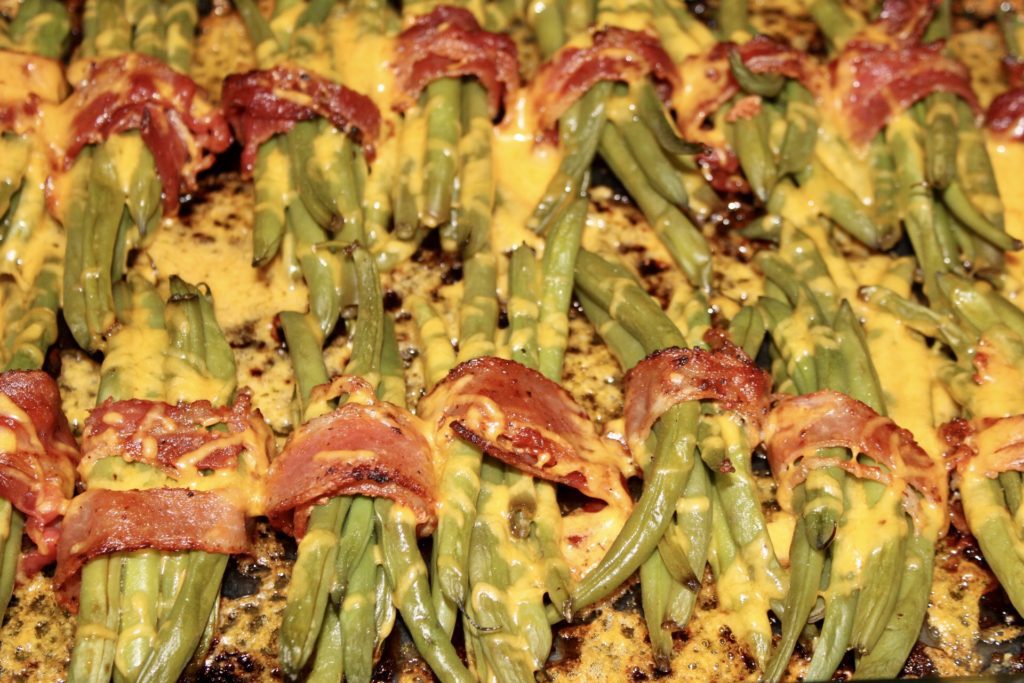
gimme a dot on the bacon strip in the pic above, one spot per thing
(520, 417)
(448, 42)
(37, 475)
(365, 447)
(615, 54)
(990, 445)
(798, 426)
(174, 437)
(1005, 113)
(261, 104)
(671, 376)
(872, 83)
(172, 519)
(133, 91)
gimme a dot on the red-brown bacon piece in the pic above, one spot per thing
(102, 521)
(874, 82)
(905, 21)
(615, 54)
(448, 42)
(520, 417)
(133, 91)
(365, 447)
(1005, 114)
(998, 440)
(261, 104)
(667, 377)
(798, 426)
(38, 475)
(162, 435)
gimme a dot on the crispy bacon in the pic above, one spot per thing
(37, 464)
(874, 82)
(905, 21)
(992, 445)
(615, 54)
(171, 519)
(1005, 114)
(365, 447)
(798, 426)
(448, 42)
(174, 437)
(261, 104)
(133, 91)
(520, 417)
(667, 377)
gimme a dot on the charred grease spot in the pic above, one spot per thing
(919, 664)
(995, 610)
(229, 667)
(243, 577)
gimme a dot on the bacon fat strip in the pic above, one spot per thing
(671, 376)
(364, 447)
(137, 92)
(520, 417)
(449, 42)
(38, 455)
(799, 426)
(261, 104)
(102, 521)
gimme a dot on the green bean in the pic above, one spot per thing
(12, 522)
(28, 339)
(961, 207)
(357, 615)
(321, 268)
(580, 133)
(41, 27)
(180, 633)
(356, 537)
(546, 21)
(683, 240)
(885, 207)
(408, 578)
(408, 188)
(442, 107)
(626, 349)
(763, 84)
(269, 183)
(797, 151)
(879, 593)
(476, 185)
(309, 179)
(113, 35)
(673, 460)
(435, 343)
(733, 19)
(626, 302)
(656, 586)
(328, 657)
(651, 113)
(835, 634)
(140, 576)
(148, 30)
(886, 658)
(180, 19)
(940, 142)
(92, 656)
(749, 136)
(806, 566)
(561, 248)
(522, 306)
(479, 311)
(309, 589)
(748, 330)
